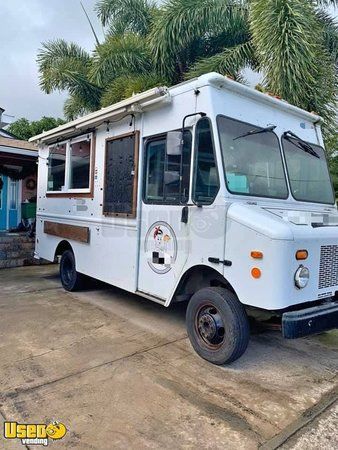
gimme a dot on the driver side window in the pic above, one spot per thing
(206, 179)
(167, 176)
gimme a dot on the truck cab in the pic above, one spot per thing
(208, 192)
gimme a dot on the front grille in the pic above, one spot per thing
(328, 267)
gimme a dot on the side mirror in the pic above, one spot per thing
(174, 143)
(171, 176)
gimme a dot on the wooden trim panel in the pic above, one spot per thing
(70, 195)
(74, 232)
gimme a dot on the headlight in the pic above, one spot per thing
(302, 276)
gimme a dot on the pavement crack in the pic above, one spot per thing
(183, 377)
(14, 393)
(71, 344)
(191, 395)
(274, 342)
(308, 416)
(33, 291)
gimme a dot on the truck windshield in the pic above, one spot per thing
(308, 171)
(252, 160)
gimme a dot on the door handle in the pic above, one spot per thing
(185, 214)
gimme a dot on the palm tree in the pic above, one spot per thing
(119, 66)
(292, 43)
(65, 66)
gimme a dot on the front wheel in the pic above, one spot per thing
(217, 325)
(71, 279)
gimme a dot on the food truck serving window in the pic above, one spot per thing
(252, 159)
(80, 164)
(69, 165)
(57, 167)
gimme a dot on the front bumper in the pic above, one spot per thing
(309, 321)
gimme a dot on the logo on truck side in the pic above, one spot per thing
(161, 247)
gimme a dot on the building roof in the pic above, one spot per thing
(16, 147)
(5, 133)
(17, 144)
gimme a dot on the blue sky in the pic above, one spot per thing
(24, 25)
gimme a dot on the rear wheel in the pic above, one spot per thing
(71, 279)
(217, 325)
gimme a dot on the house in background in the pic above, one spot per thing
(5, 119)
(1, 115)
(18, 178)
(7, 134)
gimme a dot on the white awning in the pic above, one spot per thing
(132, 105)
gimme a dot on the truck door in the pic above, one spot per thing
(169, 236)
(164, 237)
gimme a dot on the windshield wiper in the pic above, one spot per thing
(303, 145)
(250, 133)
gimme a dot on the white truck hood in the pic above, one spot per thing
(313, 218)
(285, 224)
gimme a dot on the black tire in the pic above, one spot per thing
(71, 279)
(217, 325)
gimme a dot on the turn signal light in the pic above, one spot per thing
(301, 255)
(257, 255)
(256, 273)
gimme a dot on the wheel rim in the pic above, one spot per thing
(68, 270)
(209, 326)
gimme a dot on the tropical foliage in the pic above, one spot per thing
(24, 129)
(334, 173)
(332, 152)
(293, 44)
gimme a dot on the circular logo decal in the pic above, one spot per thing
(161, 247)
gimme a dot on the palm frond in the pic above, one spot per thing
(74, 108)
(121, 16)
(289, 41)
(229, 62)
(324, 94)
(180, 22)
(55, 59)
(81, 87)
(125, 86)
(119, 55)
(285, 36)
(65, 66)
(330, 31)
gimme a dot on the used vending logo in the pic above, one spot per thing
(33, 433)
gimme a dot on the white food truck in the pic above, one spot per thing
(208, 192)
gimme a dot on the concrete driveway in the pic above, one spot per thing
(120, 373)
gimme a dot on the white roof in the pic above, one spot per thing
(137, 103)
(220, 81)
